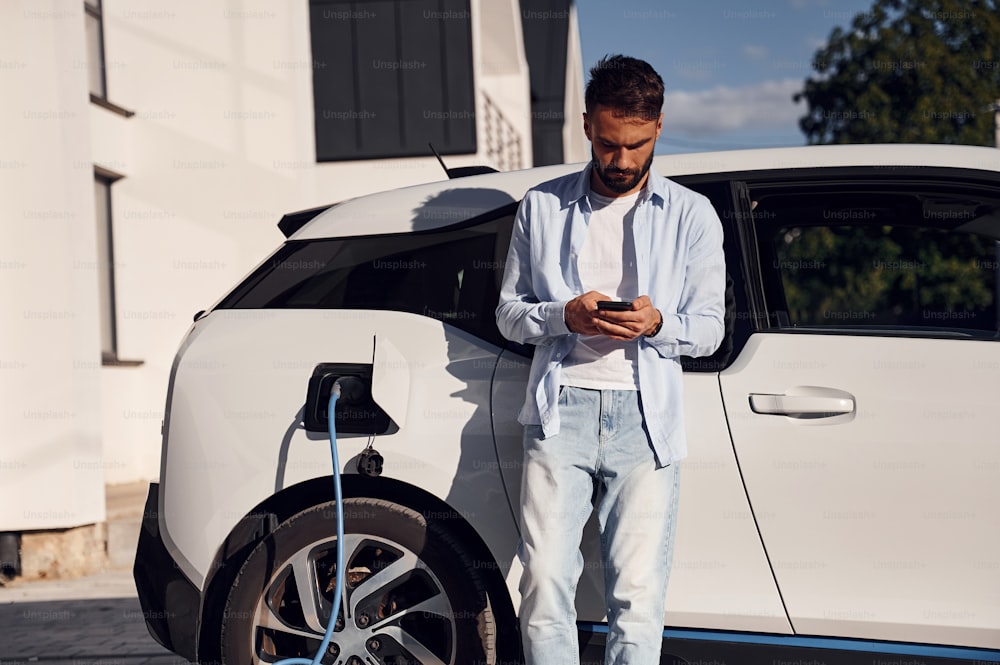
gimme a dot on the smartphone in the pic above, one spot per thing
(615, 305)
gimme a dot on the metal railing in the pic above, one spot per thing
(503, 142)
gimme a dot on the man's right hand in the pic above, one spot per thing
(581, 312)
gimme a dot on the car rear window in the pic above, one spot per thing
(452, 275)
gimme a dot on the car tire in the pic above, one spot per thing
(413, 593)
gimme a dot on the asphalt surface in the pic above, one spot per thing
(89, 620)
(93, 620)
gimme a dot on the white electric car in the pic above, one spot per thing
(841, 500)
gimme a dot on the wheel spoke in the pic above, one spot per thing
(382, 578)
(437, 604)
(413, 645)
(268, 619)
(305, 583)
(351, 543)
(257, 660)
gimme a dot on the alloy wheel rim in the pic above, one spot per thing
(393, 605)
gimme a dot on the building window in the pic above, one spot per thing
(95, 49)
(96, 62)
(106, 265)
(391, 76)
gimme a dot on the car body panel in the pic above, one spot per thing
(852, 559)
(720, 576)
(236, 417)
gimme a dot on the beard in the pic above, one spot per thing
(620, 180)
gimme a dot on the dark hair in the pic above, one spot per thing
(628, 85)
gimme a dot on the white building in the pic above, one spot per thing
(137, 193)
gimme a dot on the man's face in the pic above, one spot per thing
(622, 149)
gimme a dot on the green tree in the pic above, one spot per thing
(893, 275)
(908, 71)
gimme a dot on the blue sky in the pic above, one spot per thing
(729, 68)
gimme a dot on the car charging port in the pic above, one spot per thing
(352, 389)
(356, 410)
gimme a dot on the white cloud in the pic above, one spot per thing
(814, 43)
(755, 51)
(722, 109)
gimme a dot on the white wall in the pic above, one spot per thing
(51, 468)
(502, 67)
(576, 147)
(220, 146)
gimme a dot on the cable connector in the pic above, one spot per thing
(351, 389)
(370, 463)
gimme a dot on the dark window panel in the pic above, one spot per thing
(393, 75)
(105, 268)
(377, 80)
(95, 49)
(545, 24)
(452, 275)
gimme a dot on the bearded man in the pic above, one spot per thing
(603, 410)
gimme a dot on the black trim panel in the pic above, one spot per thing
(170, 602)
(712, 652)
(808, 176)
(294, 221)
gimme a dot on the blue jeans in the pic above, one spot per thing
(602, 442)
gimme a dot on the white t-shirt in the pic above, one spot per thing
(607, 264)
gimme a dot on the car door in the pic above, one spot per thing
(720, 577)
(865, 414)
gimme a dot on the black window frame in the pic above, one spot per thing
(95, 9)
(104, 179)
(728, 197)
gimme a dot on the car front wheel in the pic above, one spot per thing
(412, 593)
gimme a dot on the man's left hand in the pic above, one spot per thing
(629, 324)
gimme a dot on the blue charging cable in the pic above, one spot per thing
(338, 494)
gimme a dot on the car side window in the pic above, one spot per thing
(447, 274)
(907, 262)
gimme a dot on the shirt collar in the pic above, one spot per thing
(655, 187)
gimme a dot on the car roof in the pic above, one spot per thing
(433, 205)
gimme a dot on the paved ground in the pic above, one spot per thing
(93, 620)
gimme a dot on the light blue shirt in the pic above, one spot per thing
(680, 265)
